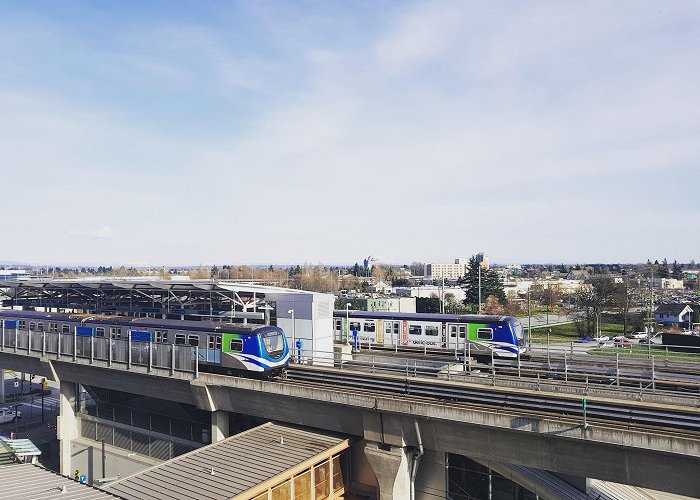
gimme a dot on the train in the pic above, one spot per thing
(224, 347)
(481, 335)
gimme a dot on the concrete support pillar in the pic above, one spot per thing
(66, 425)
(392, 468)
(219, 425)
(2, 385)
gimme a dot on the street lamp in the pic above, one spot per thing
(347, 323)
(294, 339)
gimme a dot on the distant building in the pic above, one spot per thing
(427, 291)
(13, 274)
(483, 260)
(381, 287)
(674, 314)
(385, 304)
(669, 283)
(453, 271)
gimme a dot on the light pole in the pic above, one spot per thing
(479, 312)
(529, 318)
(294, 333)
(347, 323)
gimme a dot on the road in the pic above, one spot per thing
(543, 320)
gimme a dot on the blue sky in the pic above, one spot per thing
(284, 132)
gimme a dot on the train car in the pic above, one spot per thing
(483, 334)
(227, 346)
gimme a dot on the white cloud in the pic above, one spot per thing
(103, 233)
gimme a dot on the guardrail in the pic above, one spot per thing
(575, 372)
(176, 358)
(609, 411)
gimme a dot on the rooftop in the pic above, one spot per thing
(32, 482)
(257, 458)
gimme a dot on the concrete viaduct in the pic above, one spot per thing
(395, 425)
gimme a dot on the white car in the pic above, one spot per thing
(603, 339)
(9, 415)
(639, 335)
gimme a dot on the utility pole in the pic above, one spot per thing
(479, 288)
(529, 317)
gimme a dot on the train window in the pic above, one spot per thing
(432, 331)
(415, 329)
(162, 336)
(193, 340)
(40, 327)
(453, 331)
(396, 328)
(65, 328)
(53, 327)
(370, 326)
(32, 326)
(236, 345)
(387, 327)
(180, 339)
(22, 324)
(484, 333)
(462, 332)
(338, 324)
(100, 332)
(355, 326)
(214, 342)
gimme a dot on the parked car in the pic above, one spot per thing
(618, 337)
(9, 415)
(639, 335)
(604, 338)
(622, 342)
(606, 343)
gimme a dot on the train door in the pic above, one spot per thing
(452, 338)
(338, 325)
(392, 332)
(213, 348)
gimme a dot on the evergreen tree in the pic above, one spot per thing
(490, 284)
(677, 271)
(663, 269)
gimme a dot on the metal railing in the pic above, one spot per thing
(576, 374)
(176, 358)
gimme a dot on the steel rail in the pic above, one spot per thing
(685, 419)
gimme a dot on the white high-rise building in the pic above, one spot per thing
(453, 271)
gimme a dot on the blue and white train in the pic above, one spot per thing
(226, 346)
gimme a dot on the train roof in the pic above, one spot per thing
(175, 324)
(460, 318)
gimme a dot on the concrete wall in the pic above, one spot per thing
(313, 321)
(86, 457)
(431, 478)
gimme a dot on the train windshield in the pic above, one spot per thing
(518, 330)
(274, 344)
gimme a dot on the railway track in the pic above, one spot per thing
(597, 410)
(670, 375)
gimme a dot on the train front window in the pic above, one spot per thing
(274, 344)
(518, 330)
